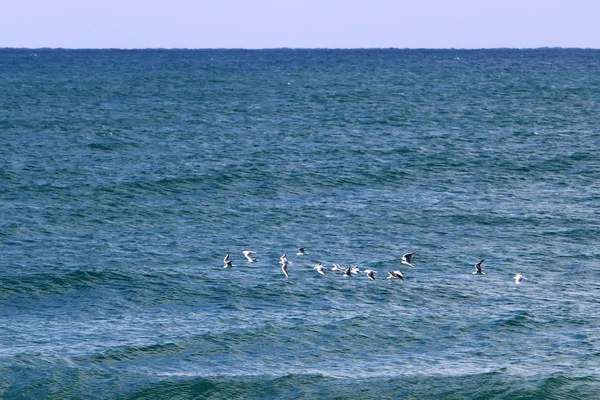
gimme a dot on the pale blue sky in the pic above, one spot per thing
(300, 23)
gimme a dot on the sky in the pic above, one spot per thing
(258, 24)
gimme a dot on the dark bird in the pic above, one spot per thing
(478, 270)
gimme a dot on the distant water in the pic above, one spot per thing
(126, 176)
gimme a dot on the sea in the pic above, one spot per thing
(126, 176)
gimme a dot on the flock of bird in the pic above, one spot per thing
(351, 271)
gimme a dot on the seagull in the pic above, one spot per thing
(249, 255)
(283, 259)
(320, 269)
(301, 251)
(227, 263)
(518, 278)
(284, 265)
(355, 270)
(407, 259)
(395, 275)
(337, 267)
(348, 272)
(478, 270)
(370, 274)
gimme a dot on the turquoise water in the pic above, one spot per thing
(126, 176)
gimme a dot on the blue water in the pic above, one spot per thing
(126, 176)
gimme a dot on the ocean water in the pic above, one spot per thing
(126, 176)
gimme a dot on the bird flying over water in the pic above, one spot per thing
(478, 270)
(518, 278)
(227, 263)
(284, 267)
(395, 275)
(337, 267)
(320, 269)
(301, 251)
(249, 255)
(407, 259)
(370, 274)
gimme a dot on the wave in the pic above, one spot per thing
(97, 384)
(136, 353)
(52, 283)
(309, 386)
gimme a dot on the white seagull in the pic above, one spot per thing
(227, 263)
(407, 259)
(337, 267)
(370, 274)
(284, 259)
(518, 278)
(301, 251)
(249, 255)
(320, 269)
(284, 266)
(355, 270)
(478, 270)
(395, 275)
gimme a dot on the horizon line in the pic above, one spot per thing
(302, 48)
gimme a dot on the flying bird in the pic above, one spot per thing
(478, 270)
(249, 255)
(518, 278)
(370, 274)
(337, 267)
(284, 268)
(395, 275)
(407, 259)
(301, 251)
(227, 263)
(320, 269)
